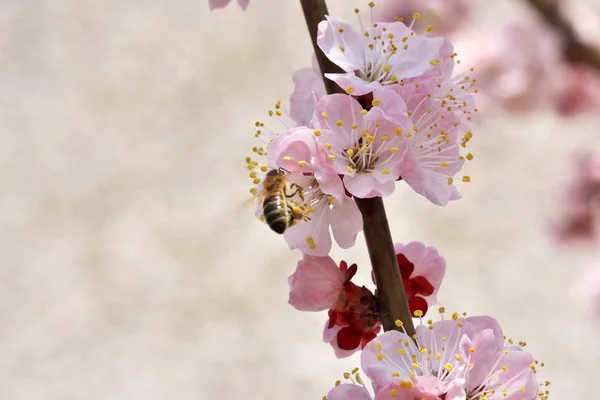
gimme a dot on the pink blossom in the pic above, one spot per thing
(445, 16)
(422, 269)
(461, 358)
(456, 359)
(442, 108)
(382, 54)
(214, 4)
(518, 66)
(325, 202)
(580, 93)
(366, 147)
(308, 88)
(317, 285)
(580, 214)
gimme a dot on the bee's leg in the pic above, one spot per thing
(297, 191)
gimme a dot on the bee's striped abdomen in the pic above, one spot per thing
(276, 213)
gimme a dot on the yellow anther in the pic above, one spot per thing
(450, 180)
(264, 168)
(317, 132)
(398, 131)
(393, 392)
(286, 158)
(460, 324)
(350, 169)
(398, 323)
(418, 313)
(385, 171)
(256, 181)
(455, 316)
(457, 357)
(328, 145)
(341, 30)
(448, 367)
(347, 375)
(378, 346)
(301, 163)
(342, 48)
(253, 174)
(435, 61)
(438, 356)
(350, 153)
(428, 29)
(324, 114)
(386, 67)
(339, 122)
(416, 16)
(393, 150)
(402, 352)
(406, 384)
(331, 156)
(466, 178)
(504, 368)
(376, 102)
(370, 138)
(338, 383)
(443, 164)
(355, 370)
(395, 374)
(279, 114)
(253, 191)
(363, 111)
(471, 349)
(380, 356)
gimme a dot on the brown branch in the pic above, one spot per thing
(575, 51)
(393, 304)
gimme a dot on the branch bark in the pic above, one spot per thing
(393, 304)
(575, 51)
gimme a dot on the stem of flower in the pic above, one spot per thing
(393, 304)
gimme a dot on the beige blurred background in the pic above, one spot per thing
(129, 270)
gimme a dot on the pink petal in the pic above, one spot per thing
(298, 143)
(428, 264)
(329, 40)
(380, 371)
(416, 59)
(392, 105)
(317, 228)
(316, 285)
(364, 186)
(433, 187)
(348, 391)
(330, 336)
(308, 87)
(483, 359)
(243, 4)
(350, 80)
(346, 223)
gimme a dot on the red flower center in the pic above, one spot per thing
(416, 287)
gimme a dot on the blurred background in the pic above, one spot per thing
(130, 267)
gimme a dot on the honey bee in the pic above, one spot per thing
(278, 213)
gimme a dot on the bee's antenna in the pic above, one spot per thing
(284, 170)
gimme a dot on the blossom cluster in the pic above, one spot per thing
(404, 117)
(459, 358)
(319, 284)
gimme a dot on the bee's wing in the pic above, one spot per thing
(255, 202)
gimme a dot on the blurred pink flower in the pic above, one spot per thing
(422, 269)
(366, 147)
(581, 91)
(325, 201)
(214, 4)
(445, 16)
(580, 214)
(518, 66)
(317, 285)
(460, 358)
(308, 88)
(398, 53)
